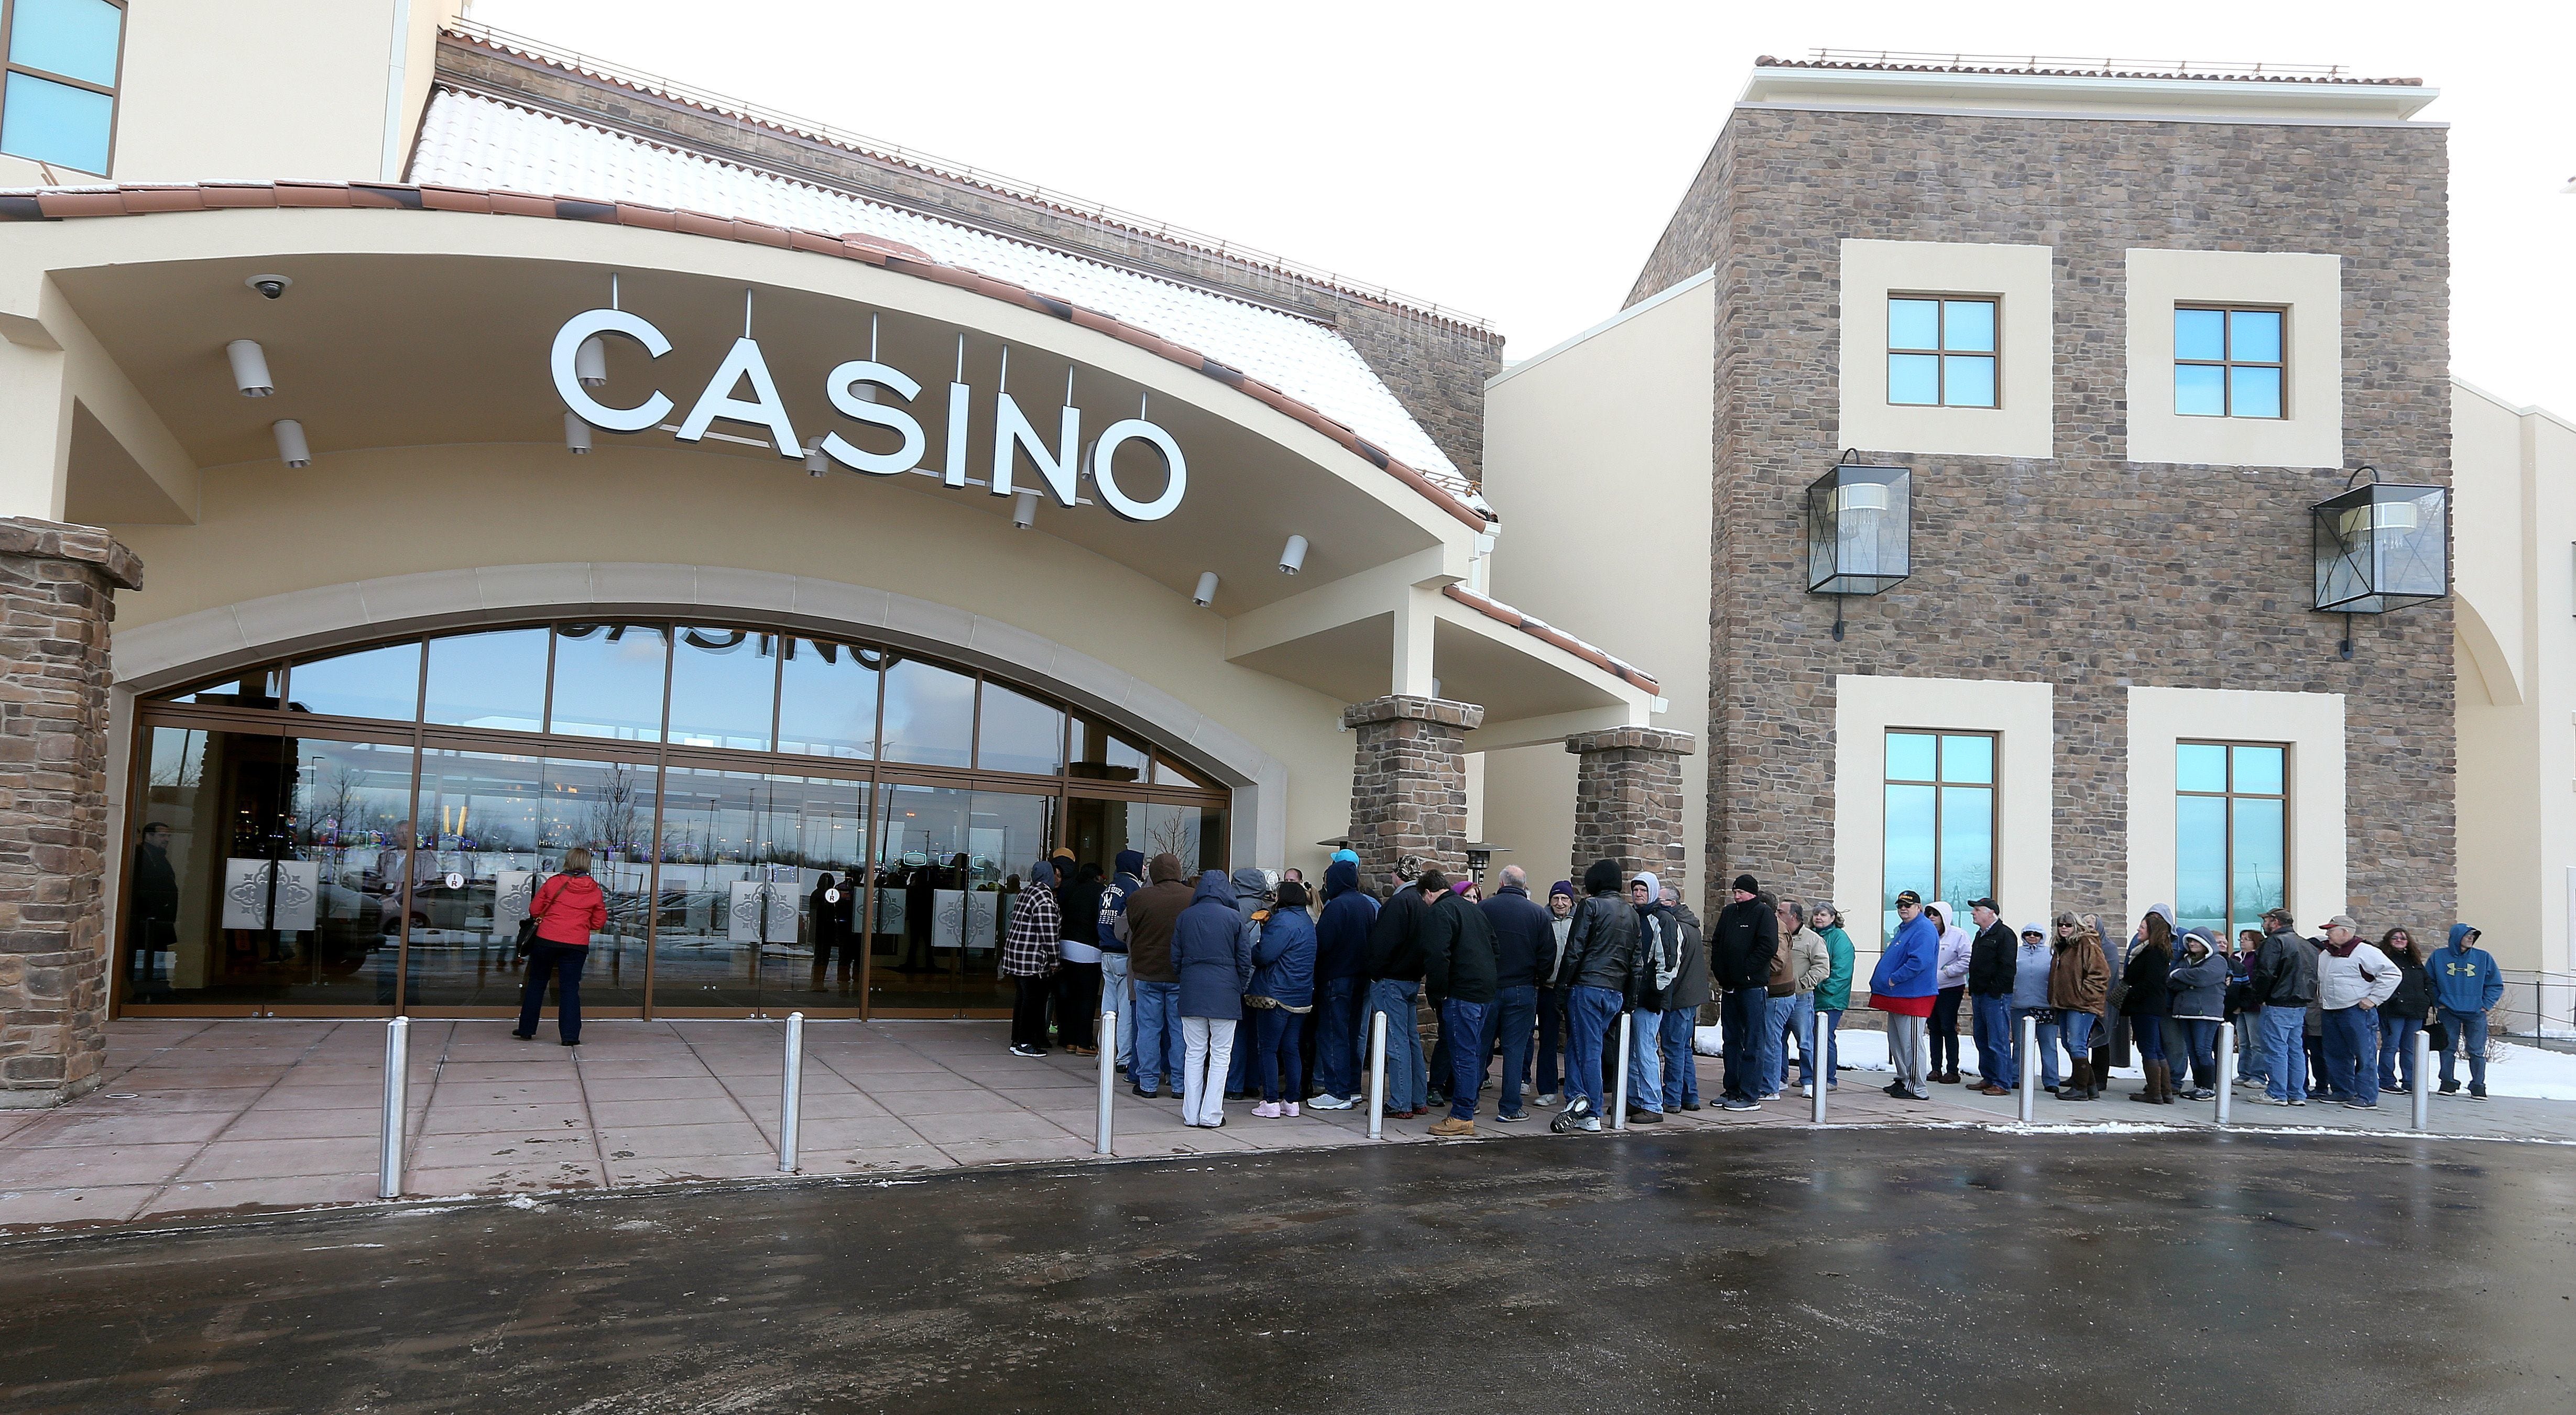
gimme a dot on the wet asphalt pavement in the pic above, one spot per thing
(1776, 1270)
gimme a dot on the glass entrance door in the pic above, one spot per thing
(744, 856)
(949, 864)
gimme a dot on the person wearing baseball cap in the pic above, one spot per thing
(2285, 982)
(1993, 956)
(2352, 981)
(1902, 986)
(1548, 1064)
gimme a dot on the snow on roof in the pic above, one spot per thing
(467, 140)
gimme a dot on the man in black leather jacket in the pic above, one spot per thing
(1600, 977)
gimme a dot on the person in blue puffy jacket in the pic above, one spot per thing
(1903, 985)
(1282, 993)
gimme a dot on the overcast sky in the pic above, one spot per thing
(1517, 162)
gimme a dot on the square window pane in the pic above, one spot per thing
(1914, 324)
(1968, 326)
(1970, 382)
(722, 684)
(1019, 733)
(55, 123)
(2200, 334)
(74, 38)
(1969, 759)
(2261, 857)
(379, 682)
(608, 681)
(2199, 390)
(1914, 379)
(1908, 858)
(2254, 336)
(2254, 392)
(1909, 756)
(495, 680)
(929, 714)
(2200, 766)
(2258, 770)
(2200, 862)
(827, 699)
(1967, 845)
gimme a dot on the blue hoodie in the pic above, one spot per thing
(1210, 953)
(1113, 900)
(1342, 934)
(2464, 977)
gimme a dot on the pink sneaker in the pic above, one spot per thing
(1267, 1110)
(1289, 1109)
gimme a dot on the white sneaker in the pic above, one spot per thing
(1590, 1123)
(1332, 1102)
(1290, 1108)
(1549, 1101)
(1806, 1090)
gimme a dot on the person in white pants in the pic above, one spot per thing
(1212, 955)
(1207, 1047)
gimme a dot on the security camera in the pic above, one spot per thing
(270, 287)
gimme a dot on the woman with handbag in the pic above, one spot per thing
(2147, 1000)
(568, 909)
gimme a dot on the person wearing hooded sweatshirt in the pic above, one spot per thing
(1601, 956)
(1690, 992)
(1395, 982)
(1030, 956)
(1077, 998)
(1659, 962)
(2353, 979)
(1741, 945)
(1282, 993)
(2079, 978)
(2466, 986)
(1993, 955)
(1524, 952)
(2198, 990)
(1150, 916)
(1212, 960)
(1252, 890)
(1943, 1025)
(1112, 936)
(2285, 982)
(569, 908)
(1833, 995)
(1341, 981)
(1903, 985)
(1551, 994)
(2030, 1000)
(1459, 972)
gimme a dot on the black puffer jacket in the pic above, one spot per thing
(1457, 952)
(1993, 959)
(1742, 944)
(2150, 980)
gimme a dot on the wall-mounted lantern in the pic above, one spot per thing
(2381, 547)
(1860, 532)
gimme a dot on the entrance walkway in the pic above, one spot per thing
(207, 1116)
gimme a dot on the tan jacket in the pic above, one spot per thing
(2078, 977)
(1812, 959)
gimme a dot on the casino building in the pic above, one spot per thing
(427, 452)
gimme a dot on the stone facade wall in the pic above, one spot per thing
(57, 596)
(1628, 801)
(1436, 366)
(2086, 571)
(1409, 785)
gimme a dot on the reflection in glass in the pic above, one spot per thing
(2200, 862)
(259, 687)
(1168, 772)
(74, 38)
(57, 123)
(494, 680)
(2258, 769)
(827, 699)
(949, 864)
(1097, 830)
(722, 683)
(1016, 732)
(1967, 846)
(1914, 379)
(743, 857)
(2200, 390)
(1912, 756)
(2261, 858)
(1102, 753)
(1968, 757)
(1909, 852)
(2200, 335)
(2200, 766)
(608, 681)
(1968, 382)
(2254, 392)
(929, 714)
(2254, 336)
(1968, 326)
(379, 682)
(1913, 324)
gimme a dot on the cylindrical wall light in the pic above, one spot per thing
(590, 362)
(1293, 559)
(250, 369)
(576, 434)
(291, 446)
(1205, 594)
(1024, 510)
(816, 464)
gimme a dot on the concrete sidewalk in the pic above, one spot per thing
(206, 1116)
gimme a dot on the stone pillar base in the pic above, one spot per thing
(1628, 800)
(1409, 785)
(58, 588)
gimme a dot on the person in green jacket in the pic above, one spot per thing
(1834, 993)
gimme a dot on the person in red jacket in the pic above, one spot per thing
(568, 909)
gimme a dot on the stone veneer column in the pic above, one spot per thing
(57, 596)
(1409, 784)
(1628, 800)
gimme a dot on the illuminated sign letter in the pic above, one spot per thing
(842, 384)
(1176, 472)
(568, 342)
(762, 408)
(1012, 429)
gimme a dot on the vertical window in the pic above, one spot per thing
(2227, 362)
(58, 101)
(2231, 834)
(1940, 352)
(1940, 819)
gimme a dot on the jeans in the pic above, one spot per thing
(2352, 1052)
(2149, 1034)
(1337, 1037)
(1943, 1026)
(1405, 1081)
(1776, 1012)
(2250, 1065)
(2285, 1057)
(1513, 1010)
(1238, 1070)
(1802, 1015)
(1681, 1068)
(2045, 1033)
(2397, 1050)
(564, 960)
(1275, 1054)
(1590, 1014)
(1990, 1022)
(1113, 998)
(2469, 1029)
(1207, 1049)
(1646, 1060)
(1743, 1014)
(1551, 1029)
(1829, 1022)
(1905, 1053)
(1462, 1024)
(1158, 1036)
(2200, 1041)
(2077, 1028)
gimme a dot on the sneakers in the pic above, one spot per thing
(1021, 1049)
(1991, 1089)
(1590, 1125)
(1577, 1115)
(1329, 1102)
(1267, 1110)
(1452, 1128)
(2296, 1100)
(1738, 1103)
(1895, 1089)
(1514, 1117)
(1809, 1090)
(1435, 1098)
(1289, 1109)
(2450, 1088)
(2361, 1105)
(1548, 1101)
(1690, 1105)
(1149, 1095)
(2477, 1093)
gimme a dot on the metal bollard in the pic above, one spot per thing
(389, 1161)
(1619, 1098)
(2028, 1091)
(1377, 1075)
(2226, 1072)
(1108, 1075)
(791, 1092)
(1819, 1064)
(2423, 1096)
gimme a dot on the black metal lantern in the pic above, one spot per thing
(2381, 547)
(1860, 532)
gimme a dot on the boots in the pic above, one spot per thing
(2079, 1085)
(2152, 1093)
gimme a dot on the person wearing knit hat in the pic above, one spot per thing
(1547, 1064)
(1742, 941)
